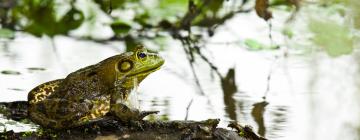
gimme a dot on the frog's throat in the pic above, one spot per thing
(148, 71)
(119, 85)
(130, 98)
(119, 81)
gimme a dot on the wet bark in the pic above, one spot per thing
(109, 128)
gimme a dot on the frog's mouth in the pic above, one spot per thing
(147, 71)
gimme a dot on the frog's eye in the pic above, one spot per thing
(141, 55)
(125, 65)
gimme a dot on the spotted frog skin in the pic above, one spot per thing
(93, 92)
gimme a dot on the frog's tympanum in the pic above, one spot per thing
(90, 93)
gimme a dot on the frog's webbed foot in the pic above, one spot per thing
(125, 114)
(137, 124)
(143, 114)
(140, 124)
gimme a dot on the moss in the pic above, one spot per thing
(25, 121)
(27, 133)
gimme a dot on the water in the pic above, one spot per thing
(307, 96)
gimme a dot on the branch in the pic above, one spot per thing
(113, 129)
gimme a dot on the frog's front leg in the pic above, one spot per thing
(124, 112)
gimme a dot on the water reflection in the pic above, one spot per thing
(229, 89)
(258, 115)
(10, 72)
(278, 122)
(16, 89)
(157, 104)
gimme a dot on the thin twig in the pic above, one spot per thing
(268, 84)
(110, 7)
(186, 47)
(270, 34)
(212, 66)
(187, 109)
(53, 45)
(269, 76)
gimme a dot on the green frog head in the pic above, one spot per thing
(129, 69)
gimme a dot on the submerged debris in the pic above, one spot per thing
(10, 72)
(16, 89)
(36, 69)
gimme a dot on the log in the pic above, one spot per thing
(110, 128)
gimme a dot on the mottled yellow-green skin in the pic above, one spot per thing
(92, 92)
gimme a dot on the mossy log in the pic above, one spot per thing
(109, 128)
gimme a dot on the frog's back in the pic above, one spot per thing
(69, 102)
(61, 112)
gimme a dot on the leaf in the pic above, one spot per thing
(216, 5)
(130, 43)
(261, 7)
(6, 33)
(41, 18)
(168, 10)
(336, 39)
(107, 5)
(72, 20)
(288, 32)
(255, 45)
(354, 8)
(120, 27)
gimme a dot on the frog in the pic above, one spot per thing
(94, 92)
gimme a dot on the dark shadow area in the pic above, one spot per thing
(229, 88)
(258, 114)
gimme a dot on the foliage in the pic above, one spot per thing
(40, 17)
(137, 21)
(334, 38)
(49, 17)
(254, 45)
(6, 33)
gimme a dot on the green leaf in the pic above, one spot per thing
(355, 10)
(168, 10)
(216, 5)
(131, 43)
(278, 2)
(107, 5)
(255, 45)
(120, 27)
(336, 39)
(40, 17)
(6, 33)
(288, 32)
(72, 20)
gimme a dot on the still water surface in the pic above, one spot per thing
(307, 97)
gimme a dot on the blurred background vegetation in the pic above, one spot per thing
(190, 21)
